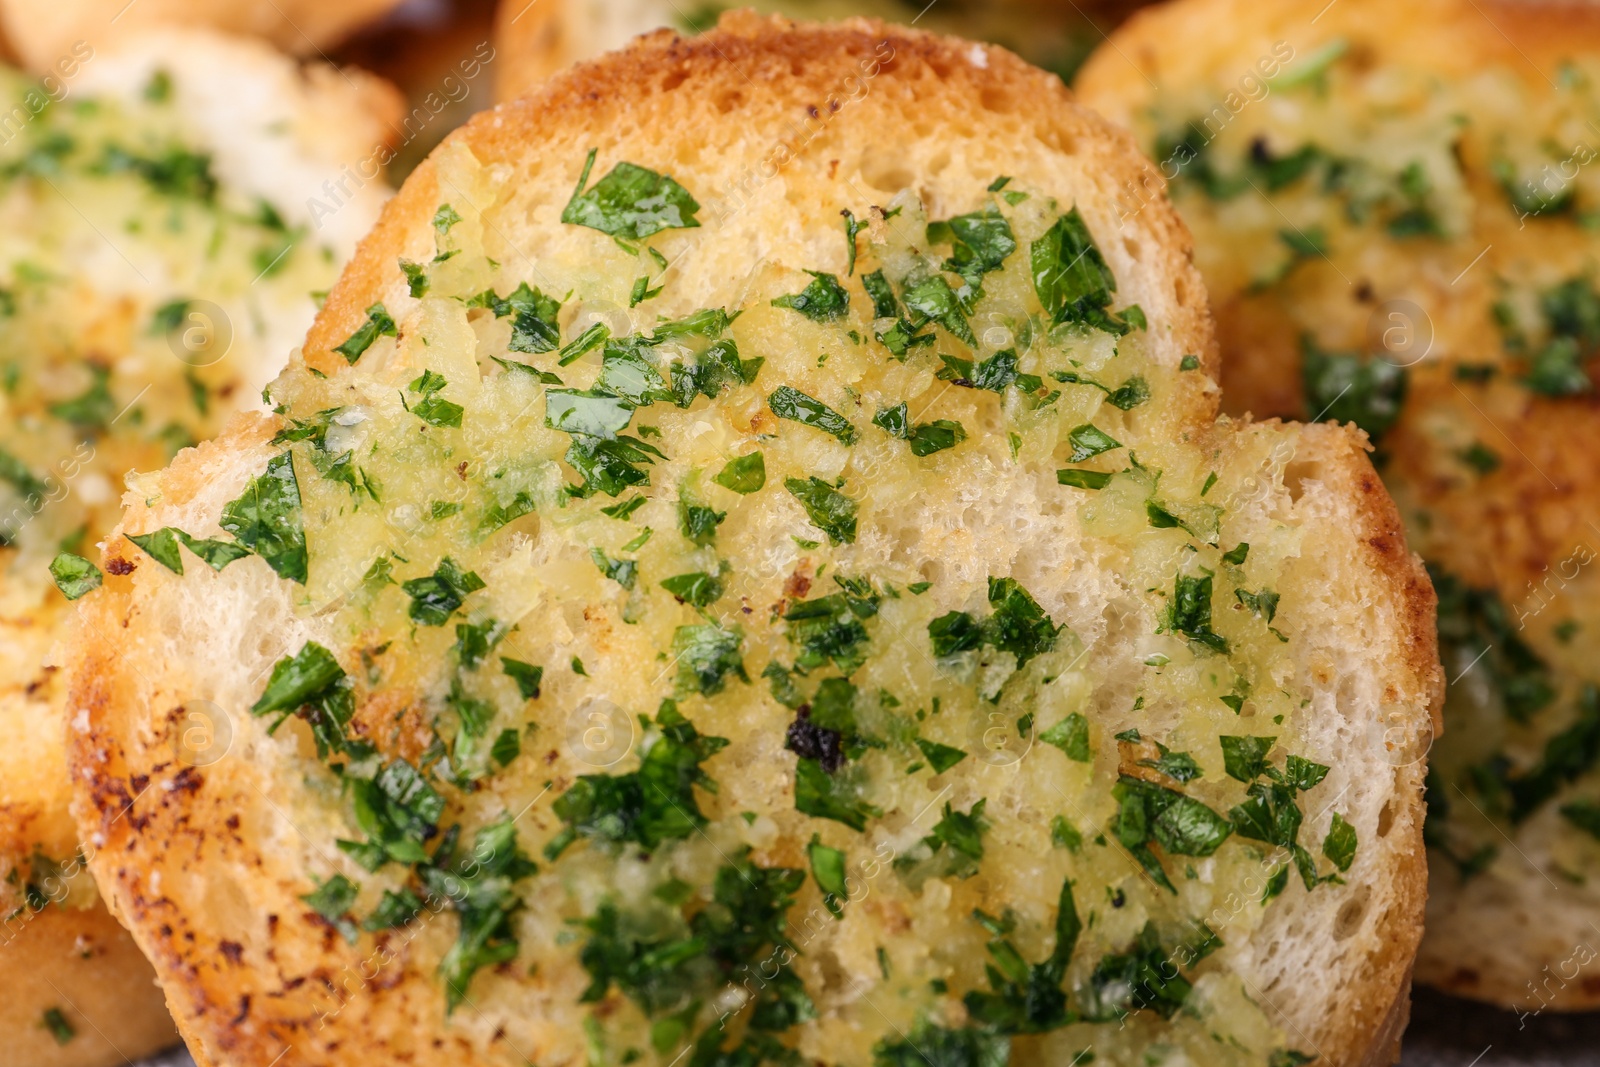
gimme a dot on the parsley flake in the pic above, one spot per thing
(435, 597)
(828, 509)
(822, 301)
(74, 575)
(647, 806)
(1088, 441)
(630, 202)
(267, 520)
(434, 409)
(925, 438)
(787, 402)
(378, 324)
(526, 675)
(743, 474)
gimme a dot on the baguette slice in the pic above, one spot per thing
(1471, 300)
(97, 387)
(798, 741)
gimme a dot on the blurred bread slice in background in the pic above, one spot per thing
(168, 204)
(41, 33)
(536, 38)
(1395, 208)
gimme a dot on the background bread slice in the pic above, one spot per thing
(1484, 471)
(535, 40)
(271, 134)
(209, 867)
(43, 35)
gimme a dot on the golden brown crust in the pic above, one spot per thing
(116, 797)
(1368, 1019)
(1384, 536)
(1390, 1030)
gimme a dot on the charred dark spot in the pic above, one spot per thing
(1364, 292)
(139, 782)
(797, 585)
(244, 1009)
(461, 470)
(118, 565)
(232, 950)
(809, 741)
(232, 823)
(111, 799)
(188, 780)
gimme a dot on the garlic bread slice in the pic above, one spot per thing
(736, 578)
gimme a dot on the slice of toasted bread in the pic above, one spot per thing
(772, 683)
(148, 295)
(44, 36)
(536, 38)
(1409, 217)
